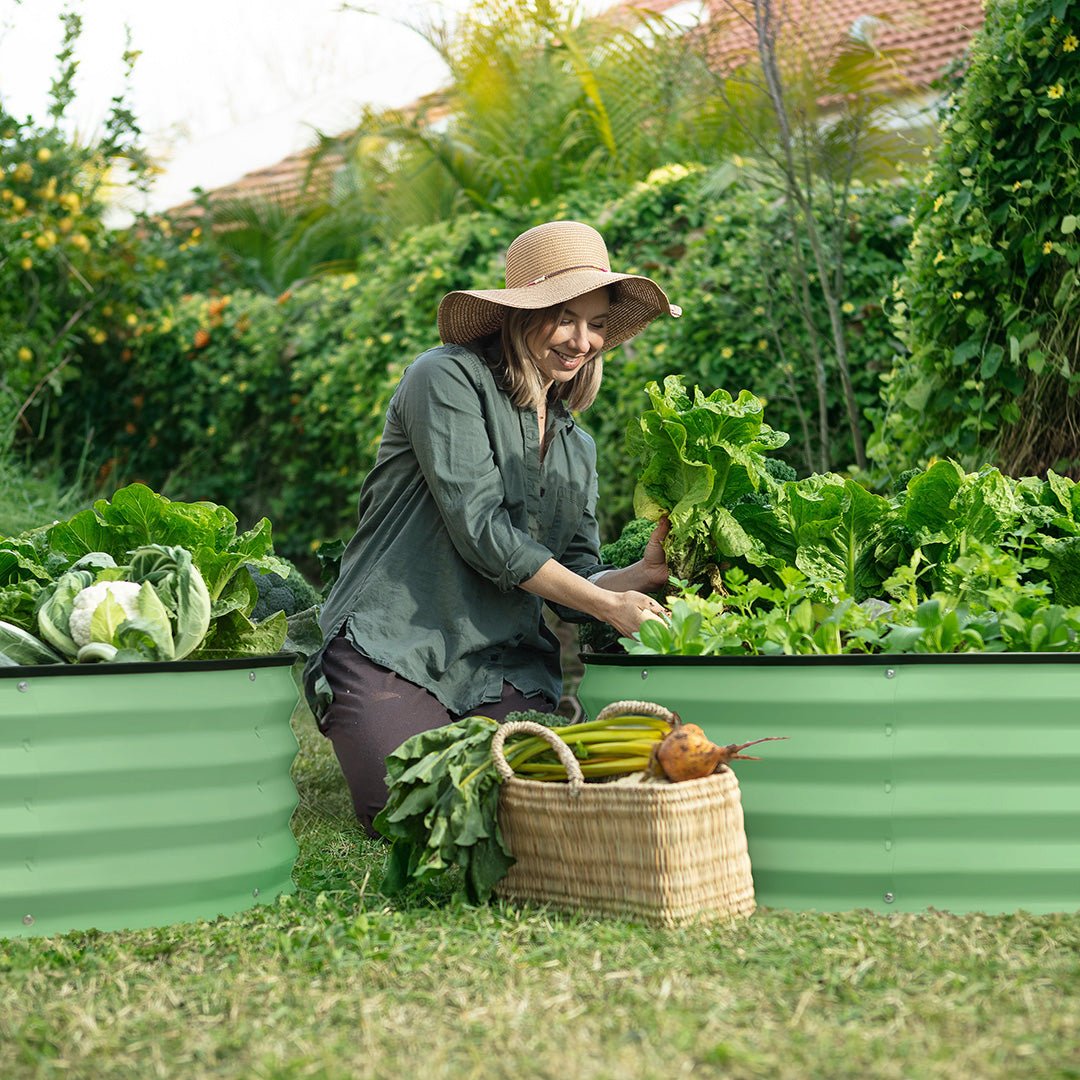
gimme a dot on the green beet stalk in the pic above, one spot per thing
(605, 767)
(623, 740)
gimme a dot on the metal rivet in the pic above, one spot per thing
(889, 898)
(254, 892)
(888, 845)
(644, 674)
(251, 675)
(888, 787)
(258, 734)
(888, 730)
(890, 673)
(28, 920)
(23, 687)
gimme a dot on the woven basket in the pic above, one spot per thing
(664, 854)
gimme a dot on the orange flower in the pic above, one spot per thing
(202, 339)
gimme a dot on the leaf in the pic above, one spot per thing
(1068, 224)
(106, 619)
(17, 648)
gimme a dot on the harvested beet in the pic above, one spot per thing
(688, 754)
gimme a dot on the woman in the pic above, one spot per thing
(482, 505)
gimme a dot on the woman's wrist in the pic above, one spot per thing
(639, 576)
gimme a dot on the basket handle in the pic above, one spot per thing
(562, 751)
(639, 708)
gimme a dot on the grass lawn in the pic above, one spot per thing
(336, 982)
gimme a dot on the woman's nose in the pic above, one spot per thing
(580, 339)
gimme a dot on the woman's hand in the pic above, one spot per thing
(628, 610)
(653, 563)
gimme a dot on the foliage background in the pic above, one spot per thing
(988, 305)
(275, 405)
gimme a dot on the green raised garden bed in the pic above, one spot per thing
(143, 794)
(906, 783)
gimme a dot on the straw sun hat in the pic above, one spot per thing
(549, 265)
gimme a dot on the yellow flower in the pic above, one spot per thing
(848, 307)
(25, 355)
(69, 201)
(436, 272)
(958, 295)
(939, 257)
(23, 171)
(737, 161)
(660, 347)
(762, 344)
(937, 203)
(324, 408)
(349, 281)
(1055, 91)
(99, 337)
(759, 310)
(1047, 247)
(27, 263)
(46, 240)
(44, 154)
(18, 204)
(211, 430)
(131, 318)
(1017, 186)
(386, 338)
(1070, 43)
(727, 352)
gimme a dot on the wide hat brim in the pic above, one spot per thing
(466, 315)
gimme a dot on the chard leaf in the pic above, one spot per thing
(234, 634)
(1064, 568)
(834, 523)
(929, 503)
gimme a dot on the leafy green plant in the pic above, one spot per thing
(138, 577)
(988, 301)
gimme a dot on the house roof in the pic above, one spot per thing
(926, 36)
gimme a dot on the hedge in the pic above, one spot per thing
(275, 406)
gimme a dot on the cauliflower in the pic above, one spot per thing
(125, 593)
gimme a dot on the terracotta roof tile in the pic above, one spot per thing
(926, 34)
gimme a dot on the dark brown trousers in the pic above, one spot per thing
(375, 710)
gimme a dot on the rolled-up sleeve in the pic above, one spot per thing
(439, 407)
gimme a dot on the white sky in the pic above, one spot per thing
(224, 86)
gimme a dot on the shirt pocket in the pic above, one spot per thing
(567, 509)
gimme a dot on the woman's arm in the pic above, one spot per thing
(625, 605)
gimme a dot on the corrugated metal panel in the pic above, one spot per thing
(145, 798)
(949, 786)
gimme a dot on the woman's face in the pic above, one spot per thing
(577, 336)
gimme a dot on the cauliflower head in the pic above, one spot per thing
(125, 593)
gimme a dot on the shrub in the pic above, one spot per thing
(988, 303)
(276, 406)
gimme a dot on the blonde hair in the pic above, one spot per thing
(517, 371)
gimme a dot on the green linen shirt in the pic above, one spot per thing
(456, 513)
